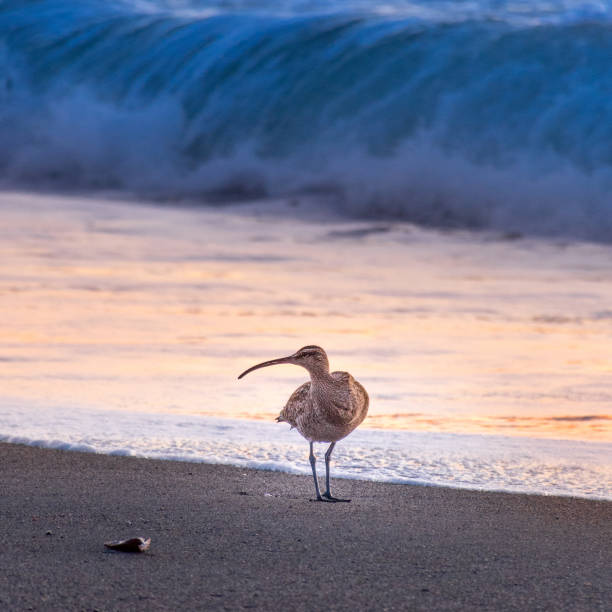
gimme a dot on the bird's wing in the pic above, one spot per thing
(298, 404)
(344, 377)
(360, 394)
(355, 405)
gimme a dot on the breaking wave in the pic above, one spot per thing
(449, 114)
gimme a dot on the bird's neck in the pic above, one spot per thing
(320, 378)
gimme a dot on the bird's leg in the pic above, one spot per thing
(327, 495)
(327, 462)
(313, 461)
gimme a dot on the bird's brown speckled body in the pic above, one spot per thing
(326, 409)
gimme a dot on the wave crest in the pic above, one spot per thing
(472, 124)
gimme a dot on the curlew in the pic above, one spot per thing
(326, 409)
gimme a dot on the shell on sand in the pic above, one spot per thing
(131, 545)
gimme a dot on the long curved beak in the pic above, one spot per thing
(265, 364)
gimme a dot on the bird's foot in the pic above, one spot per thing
(328, 497)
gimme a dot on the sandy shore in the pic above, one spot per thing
(230, 538)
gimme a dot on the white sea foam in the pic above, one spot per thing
(516, 464)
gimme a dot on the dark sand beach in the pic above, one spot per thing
(230, 538)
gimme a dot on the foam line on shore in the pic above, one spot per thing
(482, 462)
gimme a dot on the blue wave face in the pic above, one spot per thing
(493, 114)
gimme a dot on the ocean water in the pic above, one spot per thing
(488, 114)
(124, 326)
(422, 188)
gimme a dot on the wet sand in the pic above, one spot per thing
(230, 538)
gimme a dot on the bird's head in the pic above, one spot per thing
(311, 357)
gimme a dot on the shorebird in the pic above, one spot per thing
(326, 409)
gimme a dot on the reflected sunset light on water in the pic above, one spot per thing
(144, 308)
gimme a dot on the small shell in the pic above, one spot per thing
(132, 545)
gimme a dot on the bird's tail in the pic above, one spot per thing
(281, 418)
